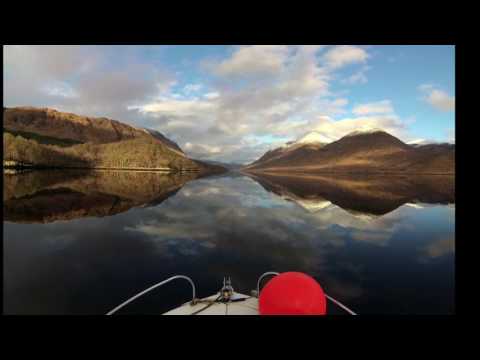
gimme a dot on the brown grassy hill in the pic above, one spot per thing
(293, 151)
(132, 153)
(48, 138)
(82, 129)
(362, 152)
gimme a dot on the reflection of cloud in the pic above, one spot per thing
(314, 205)
(440, 248)
(378, 238)
(212, 213)
(159, 231)
(416, 206)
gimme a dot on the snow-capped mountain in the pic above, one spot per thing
(365, 131)
(363, 150)
(314, 137)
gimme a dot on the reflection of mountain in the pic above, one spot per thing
(360, 195)
(47, 196)
(358, 152)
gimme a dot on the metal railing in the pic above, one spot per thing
(153, 287)
(262, 276)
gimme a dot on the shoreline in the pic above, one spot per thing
(37, 167)
(311, 173)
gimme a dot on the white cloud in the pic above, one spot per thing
(176, 108)
(60, 89)
(335, 129)
(451, 136)
(253, 60)
(211, 95)
(343, 55)
(82, 79)
(202, 149)
(358, 77)
(191, 88)
(379, 107)
(425, 87)
(439, 99)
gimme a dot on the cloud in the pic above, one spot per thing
(253, 60)
(202, 150)
(438, 248)
(340, 56)
(451, 136)
(358, 77)
(60, 89)
(191, 88)
(88, 80)
(379, 107)
(439, 99)
(176, 108)
(211, 95)
(335, 129)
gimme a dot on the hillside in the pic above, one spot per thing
(75, 128)
(48, 138)
(375, 151)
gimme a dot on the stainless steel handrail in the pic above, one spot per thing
(153, 287)
(261, 277)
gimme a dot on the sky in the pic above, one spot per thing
(233, 103)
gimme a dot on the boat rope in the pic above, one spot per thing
(336, 302)
(207, 306)
(153, 287)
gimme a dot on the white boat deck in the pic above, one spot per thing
(249, 306)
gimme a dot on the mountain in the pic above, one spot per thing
(361, 151)
(75, 128)
(314, 137)
(48, 138)
(430, 144)
(309, 143)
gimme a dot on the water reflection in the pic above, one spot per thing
(47, 196)
(367, 249)
(368, 195)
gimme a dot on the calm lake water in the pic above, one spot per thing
(81, 243)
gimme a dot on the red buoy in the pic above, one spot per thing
(292, 293)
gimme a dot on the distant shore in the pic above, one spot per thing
(22, 166)
(291, 172)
